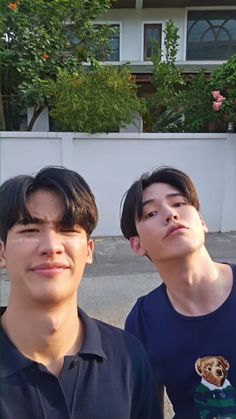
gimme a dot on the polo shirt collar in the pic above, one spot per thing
(92, 344)
(11, 360)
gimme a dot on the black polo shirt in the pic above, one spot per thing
(109, 379)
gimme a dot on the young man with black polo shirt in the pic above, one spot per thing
(56, 362)
(187, 324)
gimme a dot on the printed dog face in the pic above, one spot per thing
(213, 369)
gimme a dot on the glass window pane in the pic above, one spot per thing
(197, 29)
(114, 45)
(208, 36)
(152, 33)
(223, 35)
(113, 53)
(211, 34)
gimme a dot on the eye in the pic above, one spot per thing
(150, 214)
(29, 230)
(72, 230)
(179, 204)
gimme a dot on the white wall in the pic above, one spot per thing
(110, 163)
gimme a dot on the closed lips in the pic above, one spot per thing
(174, 228)
(49, 266)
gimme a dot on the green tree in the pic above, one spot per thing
(39, 39)
(102, 99)
(163, 113)
(195, 102)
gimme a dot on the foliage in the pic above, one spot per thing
(208, 103)
(171, 42)
(39, 39)
(195, 101)
(187, 105)
(170, 120)
(224, 81)
(167, 81)
(98, 100)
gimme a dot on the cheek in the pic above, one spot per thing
(77, 246)
(151, 242)
(20, 247)
(23, 242)
(199, 225)
(19, 252)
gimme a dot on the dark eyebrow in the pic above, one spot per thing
(35, 220)
(29, 220)
(169, 195)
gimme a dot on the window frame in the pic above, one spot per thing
(112, 23)
(203, 9)
(156, 23)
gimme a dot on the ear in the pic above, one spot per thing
(136, 245)
(2, 255)
(198, 366)
(90, 250)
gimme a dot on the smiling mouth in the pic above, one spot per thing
(49, 270)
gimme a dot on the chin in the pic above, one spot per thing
(48, 298)
(180, 252)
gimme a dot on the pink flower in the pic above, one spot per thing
(217, 106)
(221, 98)
(215, 94)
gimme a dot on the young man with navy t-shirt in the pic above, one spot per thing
(55, 361)
(188, 324)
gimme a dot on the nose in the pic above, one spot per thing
(50, 243)
(171, 214)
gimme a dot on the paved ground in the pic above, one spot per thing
(118, 277)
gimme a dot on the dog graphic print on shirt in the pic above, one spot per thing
(215, 397)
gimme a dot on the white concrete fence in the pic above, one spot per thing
(110, 163)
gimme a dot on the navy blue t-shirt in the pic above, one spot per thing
(193, 357)
(110, 378)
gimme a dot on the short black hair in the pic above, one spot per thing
(132, 208)
(79, 201)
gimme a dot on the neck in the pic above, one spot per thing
(45, 335)
(195, 284)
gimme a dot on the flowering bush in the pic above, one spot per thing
(219, 100)
(224, 90)
(226, 105)
(13, 6)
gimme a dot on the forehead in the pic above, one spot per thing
(159, 191)
(45, 205)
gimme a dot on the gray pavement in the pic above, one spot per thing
(118, 277)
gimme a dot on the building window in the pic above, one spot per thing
(114, 44)
(152, 36)
(113, 47)
(112, 50)
(211, 35)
